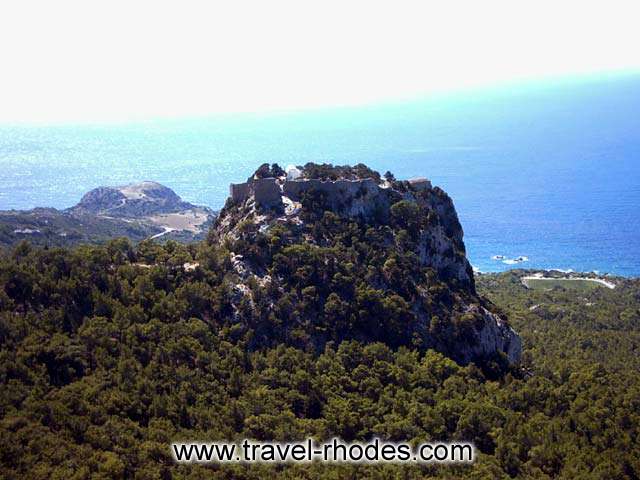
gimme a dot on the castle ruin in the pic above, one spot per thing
(268, 192)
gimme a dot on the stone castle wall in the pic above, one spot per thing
(335, 190)
(267, 192)
(420, 183)
(358, 196)
(239, 192)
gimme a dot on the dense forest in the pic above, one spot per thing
(108, 353)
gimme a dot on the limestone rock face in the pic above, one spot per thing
(436, 235)
(494, 335)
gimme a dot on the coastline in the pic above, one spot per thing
(540, 277)
(551, 273)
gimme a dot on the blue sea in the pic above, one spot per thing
(549, 171)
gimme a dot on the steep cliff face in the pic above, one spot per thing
(402, 248)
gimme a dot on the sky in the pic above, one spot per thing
(112, 61)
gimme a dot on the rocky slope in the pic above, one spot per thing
(399, 243)
(136, 211)
(134, 200)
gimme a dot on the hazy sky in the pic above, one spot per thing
(111, 61)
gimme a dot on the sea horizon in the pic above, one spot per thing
(545, 173)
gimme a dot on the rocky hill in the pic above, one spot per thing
(333, 253)
(136, 211)
(312, 310)
(133, 201)
(368, 257)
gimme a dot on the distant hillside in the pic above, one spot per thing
(134, 201)
(136, 211)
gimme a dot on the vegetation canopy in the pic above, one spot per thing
(108, 353)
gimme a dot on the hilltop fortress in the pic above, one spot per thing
(414, 222)
(273, 194)
(351, 195)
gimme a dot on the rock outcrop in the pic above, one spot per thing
(441, 246)
(494, 335)
(134, 200)
(413, 207)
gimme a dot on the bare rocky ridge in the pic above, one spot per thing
(136, 211)
(265, 201)
(134, 200)
(150, 203)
